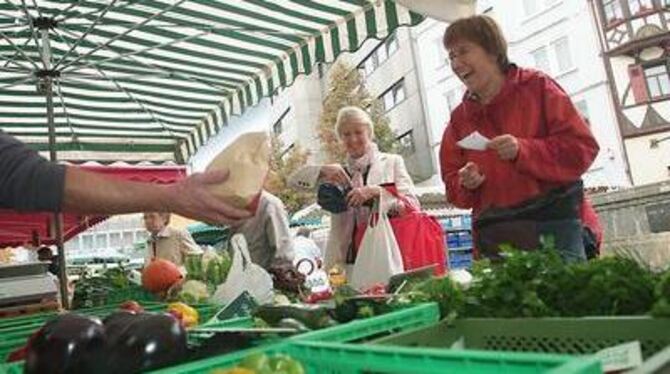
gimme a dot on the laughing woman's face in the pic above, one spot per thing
(472, 64)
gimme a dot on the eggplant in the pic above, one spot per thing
(223, 343)
(147, 341)
(70, 343)
(117, 323)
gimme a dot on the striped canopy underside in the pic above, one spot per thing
(154, 79)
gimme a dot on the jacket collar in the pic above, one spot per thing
(513, 77)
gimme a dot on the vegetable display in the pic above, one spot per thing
(662, 293)
(92, 291)
(539, 284)
(125, 342)
(261, 363)
(159, 275)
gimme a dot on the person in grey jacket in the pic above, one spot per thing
(267, 232)
(29, 182)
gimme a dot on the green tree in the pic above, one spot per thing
(346, 87)
(283, 163)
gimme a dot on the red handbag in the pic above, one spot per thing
(419, 236)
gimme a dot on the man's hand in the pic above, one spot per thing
(192, 198)
(359, 196)
(470, 177)
(335, 174)
(507, 147)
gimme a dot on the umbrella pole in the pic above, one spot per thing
(47, 79)
(58, 217)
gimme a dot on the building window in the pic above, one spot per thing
(391, 44)
(101, 241)
(541, 58)
(115, 240)
(658, 80)
(73, 244)
(278, 126)
(583, 109)
(321, 69)
(141, 236)
(379, 55)
(87, 242)
(406, 142)
(563, 56)
(286, 151)
(639, 6)
(394, 95)
(666, 3)
(128, 239)
(613, 11)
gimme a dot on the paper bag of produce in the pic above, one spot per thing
(248, 160)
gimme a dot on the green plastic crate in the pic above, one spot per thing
(22, 329)
(15, 334)
(577, 336)
(332, 358)
(117, 296)
(195, 335)
(552, 335)
(369, 328)
(412, 317)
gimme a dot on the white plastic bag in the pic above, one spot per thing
(379, 256)
(244, 275)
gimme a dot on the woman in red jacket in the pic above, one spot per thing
(526, 183)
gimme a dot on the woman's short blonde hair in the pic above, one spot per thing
(349, 113)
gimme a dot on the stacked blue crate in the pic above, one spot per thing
(458, 240)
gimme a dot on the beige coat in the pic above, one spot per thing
(171, 244)
(385, 168)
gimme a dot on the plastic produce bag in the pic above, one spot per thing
(379, 256)
(244, 275)
(248, 160)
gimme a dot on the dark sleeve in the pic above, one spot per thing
(28, 181)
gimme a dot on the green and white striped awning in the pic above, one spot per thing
(157, 78)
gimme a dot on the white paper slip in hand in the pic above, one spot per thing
(474, 141)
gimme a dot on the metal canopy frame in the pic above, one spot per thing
(162, 76)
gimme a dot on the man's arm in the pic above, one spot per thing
(27, 180)
(90, 193)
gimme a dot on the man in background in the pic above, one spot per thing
(267, 232)
(165, 242)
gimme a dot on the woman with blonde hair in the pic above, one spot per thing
(365, 171)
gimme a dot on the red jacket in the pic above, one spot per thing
(555, 145)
